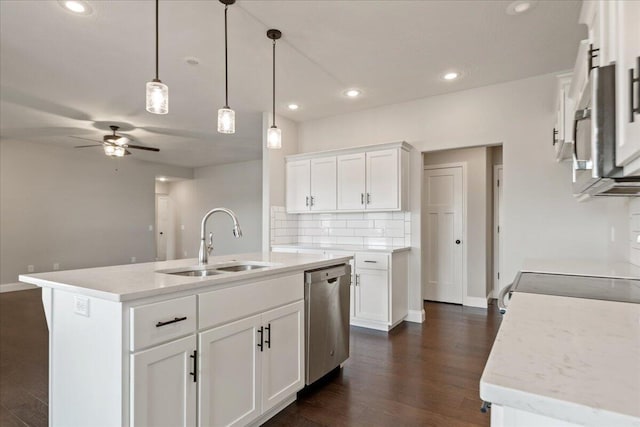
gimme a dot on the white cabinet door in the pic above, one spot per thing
(351, 181)
(372, 295)
(298, 186)
(628, 124)
(163, 391)
(323, 184)
(283, 355)
(382, 179)
(230, 374)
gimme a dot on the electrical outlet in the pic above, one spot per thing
(133, 259)
(151, 228)
(182, 227)
(31, 268)
(81, 305)
(185, 253)
(56, 266)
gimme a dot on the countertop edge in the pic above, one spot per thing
(346, 248)
(214, 283)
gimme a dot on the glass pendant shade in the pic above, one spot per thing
(109, 150)
(119, 151)
(274, 138)
(226, 120)
(157, 97)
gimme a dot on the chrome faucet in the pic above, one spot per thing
(205, 250)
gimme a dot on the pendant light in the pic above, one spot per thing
(157, 92)
(274, 135)
(226, 116)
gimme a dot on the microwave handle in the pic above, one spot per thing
(579, 116)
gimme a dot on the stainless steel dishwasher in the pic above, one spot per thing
(326, 296)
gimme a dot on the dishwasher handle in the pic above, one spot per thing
(327, 274)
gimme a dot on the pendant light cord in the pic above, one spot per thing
(157, 42)
(274, 83)
(226, 66)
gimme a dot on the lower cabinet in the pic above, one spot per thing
(163, 387)
(371, 296)
(262, 353)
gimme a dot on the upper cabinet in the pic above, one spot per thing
(565, 110)
(628, 86)
(371, 178)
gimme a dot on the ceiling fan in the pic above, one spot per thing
(115, 145)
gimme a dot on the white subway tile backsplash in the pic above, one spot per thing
(363, 228)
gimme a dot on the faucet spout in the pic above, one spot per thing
(203, 254)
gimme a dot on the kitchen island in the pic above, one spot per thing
(560, 361)
(175, 344)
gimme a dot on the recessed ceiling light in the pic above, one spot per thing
(353, 93)
(77, 7)
(520, 6)
(293, 106)
(451, 75)
(162, 178)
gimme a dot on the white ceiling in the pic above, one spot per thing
(63, 75)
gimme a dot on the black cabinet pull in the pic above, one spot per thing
(371, 262)
(555, 134)
(168, 322)
(261, 344)
(593, 54)
(633, 110)
(194, 356)
(268, 340)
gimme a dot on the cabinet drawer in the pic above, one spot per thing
(372, 261)
(236, 302)
(162, 321)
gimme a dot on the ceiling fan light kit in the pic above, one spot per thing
(115, 145)
(226, 116)
(157, 92)
(274, 135)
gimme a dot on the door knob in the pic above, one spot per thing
(458, 242)
(161, 233)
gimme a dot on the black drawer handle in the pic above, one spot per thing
(633, 110)
(371, 262)
(168, 322)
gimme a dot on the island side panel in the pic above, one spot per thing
(85, 361)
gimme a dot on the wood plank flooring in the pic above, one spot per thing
(417, 375)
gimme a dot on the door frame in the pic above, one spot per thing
(498, 243)
(423, 224)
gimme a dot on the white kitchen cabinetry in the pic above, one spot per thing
(373, 178)
(250, 366)
(379, 286)
(565, 110)
(311, 185)
(163, 387)
(628, 86)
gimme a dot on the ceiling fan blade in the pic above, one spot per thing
(140, 147)
(87, 146)
(127, 152)
(87, 139)
(24, 99)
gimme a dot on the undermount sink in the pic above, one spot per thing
(212, 270)
(241, 267)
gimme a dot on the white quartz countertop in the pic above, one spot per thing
(346, 248)
(583, 267)
(133, 281)
(572, 359)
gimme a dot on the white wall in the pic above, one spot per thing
(236, 186)
(542, 220)
(478, 198)
(77, 208)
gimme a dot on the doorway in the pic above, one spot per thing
(444, 217)
(498, 229)
(163, 226)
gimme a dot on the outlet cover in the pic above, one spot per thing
(31, 268)
(56, 266)
(81, 305)
(151, 228)
(133, 259)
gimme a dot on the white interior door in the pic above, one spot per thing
(298, 186)
(323, 184)
(230, 377)
(497, 229)
(382, 179)
(162, 390)
(162, 227)
(351, 181)
(444, 217)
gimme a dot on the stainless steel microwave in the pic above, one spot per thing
(595, 172)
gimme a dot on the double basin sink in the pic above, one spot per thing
(214, 270)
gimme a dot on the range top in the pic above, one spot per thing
(600, 288)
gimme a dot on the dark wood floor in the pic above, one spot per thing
(417, 375)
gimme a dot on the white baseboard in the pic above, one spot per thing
(416, 316)
(475, 302)
(18, 286)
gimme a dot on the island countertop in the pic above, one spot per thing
(133, 281)
(571, 359)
